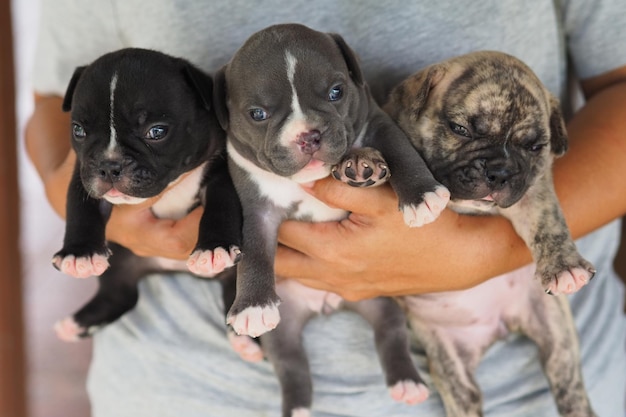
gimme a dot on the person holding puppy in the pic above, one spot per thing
(170, 356)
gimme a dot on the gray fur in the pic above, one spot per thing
(290, 76)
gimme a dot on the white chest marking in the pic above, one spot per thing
(113, 137)
(285, 192)
(180, 196)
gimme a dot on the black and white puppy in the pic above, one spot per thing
(489, 130)
(294, 104)
(143, 127)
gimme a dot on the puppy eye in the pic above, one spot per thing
(258, 114)
(536, 147)
(460, 130)
(78, 131)
(157, 132)
(335, 93)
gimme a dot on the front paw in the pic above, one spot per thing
(362, 167)
(207, 263)
(253, 321)
(567, 280)
(93, 264)
(427, 211)
(409, 392)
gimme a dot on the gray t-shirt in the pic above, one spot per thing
(170, 357)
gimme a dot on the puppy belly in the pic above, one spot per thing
(313, 300)
(480, 314)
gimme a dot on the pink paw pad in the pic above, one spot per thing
(246, 347)
(254, 321)
(409, 392)
(210, 263)
(68, 330)
(569, 281)
(81, 267)
(427, 212)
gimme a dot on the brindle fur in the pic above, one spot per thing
(501, 164)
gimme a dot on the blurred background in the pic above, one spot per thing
(55, 371)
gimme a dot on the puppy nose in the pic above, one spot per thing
(111, 170)
(309, 142)
(498, 177)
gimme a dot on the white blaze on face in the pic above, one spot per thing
(296, 122)
(111, 150)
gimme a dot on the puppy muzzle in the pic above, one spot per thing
(499, 184)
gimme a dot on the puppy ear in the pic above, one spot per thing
(69, 92)
(219, 97)
(351, 60)
(558, 132)
(412, 94)
(201, 83)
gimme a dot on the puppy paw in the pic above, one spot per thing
(409, 392)
(68, 330)
(426, 212)
(254, 321)
(570, 280)
(81, 266)
(300, 412)
(246, 347)
(362, 167)
(206, 263)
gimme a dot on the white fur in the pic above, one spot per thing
(180, 195)
(296, 122)
(300, 412)
(254, 321)
(113, 138)
(284, 192)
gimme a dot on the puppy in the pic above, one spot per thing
(143, 127)
(294, 104)
(489, 130)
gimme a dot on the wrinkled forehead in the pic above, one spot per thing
(495, 97)
(265, 63)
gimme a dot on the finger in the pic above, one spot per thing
(311, 238)
(367, 201)
(176, 239)
(290, 263)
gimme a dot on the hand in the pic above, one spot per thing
(136, 228)
(373, 252)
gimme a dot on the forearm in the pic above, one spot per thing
(589, 179)
(373, 253)
(47, 138)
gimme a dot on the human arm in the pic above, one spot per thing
(372, 253)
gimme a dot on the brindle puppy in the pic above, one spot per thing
(489, 130)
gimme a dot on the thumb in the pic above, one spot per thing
(366, 200)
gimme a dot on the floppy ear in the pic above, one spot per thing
(351, 60)
(201, 83)
(558, 132)
(69, 92)
(219, 97)
(412, 94)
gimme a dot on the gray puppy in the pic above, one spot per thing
(294, 104)
(489, 130)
